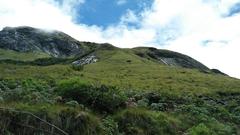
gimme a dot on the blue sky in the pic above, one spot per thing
(235, 9)
(207, 30)
(108, 12)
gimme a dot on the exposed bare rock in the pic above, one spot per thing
(170, 58)
(28, 39)
(86, 60)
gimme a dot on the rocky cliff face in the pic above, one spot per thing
(170, 58)
(27, 39)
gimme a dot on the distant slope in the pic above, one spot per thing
(37, 43)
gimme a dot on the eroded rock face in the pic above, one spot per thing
(169, 61)
(170, 58)
(176, 59)
(28, 39)
(86, 60)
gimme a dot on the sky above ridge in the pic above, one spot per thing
(207, 30)
(108, 12)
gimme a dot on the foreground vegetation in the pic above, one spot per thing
(80, 107)
(122, 94)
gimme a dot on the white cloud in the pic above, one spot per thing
(179, 25)
(203, 21)
(121, 2)
(46, 14)
(129, 17)
(69, 6)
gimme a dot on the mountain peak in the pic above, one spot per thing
(28, 39)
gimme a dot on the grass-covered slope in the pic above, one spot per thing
(126, 70)
(13, 55)
(140, 91)
(122, 93)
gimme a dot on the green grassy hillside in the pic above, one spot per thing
(122, 93)
(125, 70)
(13, 55)
(98, 89)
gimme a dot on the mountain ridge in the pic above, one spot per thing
(57, 44)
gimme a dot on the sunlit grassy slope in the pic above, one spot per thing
(9, 54)
(167, 100)
(124, 69)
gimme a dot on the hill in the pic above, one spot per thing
(90, 88)
(60, 45)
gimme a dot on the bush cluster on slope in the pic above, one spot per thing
(152, 112)
(144, 122)
(102, 98)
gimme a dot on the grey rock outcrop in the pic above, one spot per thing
(28, 39)
(86, 60)
(170, 58)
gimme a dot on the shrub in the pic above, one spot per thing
(109, 126)
(27, 90)
(200, 129)
(158, 106)
(103, 98)
(1, 99)
(72, 103)
(32, 84)
(200, 114)
(76, 123)
(211, 128)
(107, 98)
(143, 102)
(75, 89)
(77, 67)
(139, 121)
(129, 61)
(11, 84)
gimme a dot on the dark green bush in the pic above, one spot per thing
(200, 129)
(139, 121)
(109, 126)
(143, 102)
(77, 67)
(158, 106)
(79, 123)
(27, 90)
(75, 89)
(49, 61)
(211, 128)
(102, 98)
(200, 114)
(72, 103)
(107, 98)
(1, 99)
